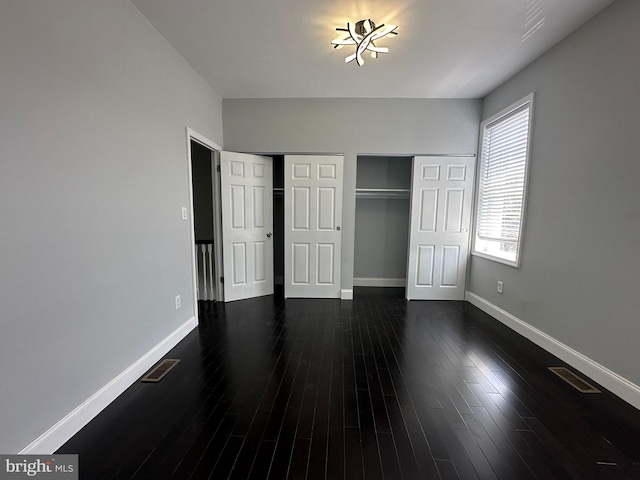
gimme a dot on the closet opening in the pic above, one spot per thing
(278, 224)
(383, 214)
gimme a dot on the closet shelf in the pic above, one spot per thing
(383, 193)
(374, 193)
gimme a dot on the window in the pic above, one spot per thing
(504, 154)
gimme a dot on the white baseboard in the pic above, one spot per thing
(379, 282)
(620, 386)
(61, 432)
(346, 294)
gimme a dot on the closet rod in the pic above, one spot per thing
(381, 193)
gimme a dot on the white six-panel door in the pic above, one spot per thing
(246, 183)
(313, 219)
(441, 197)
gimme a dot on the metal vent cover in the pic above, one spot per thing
(159, 371)
(574, 380)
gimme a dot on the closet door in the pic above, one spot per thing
(441, 196)
(313, 216)
(247, 225)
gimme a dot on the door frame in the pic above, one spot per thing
(217, 224)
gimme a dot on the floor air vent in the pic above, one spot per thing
(159, 371)
(574, 380)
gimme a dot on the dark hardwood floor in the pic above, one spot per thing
(370, 389)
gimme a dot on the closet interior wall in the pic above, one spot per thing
(383, 186)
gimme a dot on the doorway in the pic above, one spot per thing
(202, 166)
(203, 214)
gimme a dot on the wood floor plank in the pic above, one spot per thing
(389, 456)
(353, 454)
(370, 449)
(299, 460)
(252, 439)
(319, 438)
(336, 447)
(455, 449)
(446, 470)
(434, 438)
(262, 462)
(476, 455)
(421, 448)
(227, 458)
(493, 448)
(404, 447)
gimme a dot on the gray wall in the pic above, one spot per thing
(580, 271)
(93, 175)
(351, 127)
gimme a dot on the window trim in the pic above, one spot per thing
(529, 99)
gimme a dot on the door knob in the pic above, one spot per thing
(269, 234)
(338, 228)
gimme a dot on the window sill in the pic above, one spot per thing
(514, 264)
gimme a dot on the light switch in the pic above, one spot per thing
(184, 213)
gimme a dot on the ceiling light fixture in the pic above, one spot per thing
(363, 34)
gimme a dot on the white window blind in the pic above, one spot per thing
(503, 156)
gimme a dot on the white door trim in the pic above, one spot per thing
(217, 227)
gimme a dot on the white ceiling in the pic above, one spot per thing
(444, 48)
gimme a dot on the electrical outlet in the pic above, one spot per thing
(184, 213)
(499, 288)
(177, 302)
